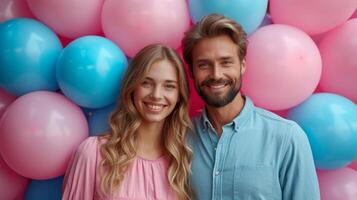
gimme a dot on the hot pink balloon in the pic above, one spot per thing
(338, 51)
(69, 18)
(12, 185)
(312, 16)
(283, 67)
(10, 9)
(40, 131)
(353, 165)
(5, 99)
(338, 184)
(135, 24)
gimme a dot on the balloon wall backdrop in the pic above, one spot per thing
(62, 62)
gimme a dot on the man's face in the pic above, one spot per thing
(217, 70)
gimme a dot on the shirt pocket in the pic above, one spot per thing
(253, 182)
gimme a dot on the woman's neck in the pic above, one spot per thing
(149, 142)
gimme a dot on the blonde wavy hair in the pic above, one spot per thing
(119, 150)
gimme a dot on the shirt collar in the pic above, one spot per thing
(237, 121)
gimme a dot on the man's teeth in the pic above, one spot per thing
(217, 86)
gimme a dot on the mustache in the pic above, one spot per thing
(216, 82)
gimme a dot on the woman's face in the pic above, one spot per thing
(156, 96)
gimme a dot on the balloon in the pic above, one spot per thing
(338, 51)
(249, 14)
(69, 18)
(266, 21)
(353, 165)
(196, 104)
(12, 185)
(45, 189)
(28, 53)
(312, 16)
(40, 131)
(10, 9)
(338, 184)
(330, 122)
(90, 70)
(283, 67)
(135, 24)
(5, 100)
(98, 120)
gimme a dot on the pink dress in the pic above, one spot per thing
(144, 180)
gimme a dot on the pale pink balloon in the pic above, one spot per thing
(12, 185)
(40, 131)
(5, 99)
(69, 18)
(283, 67)
(340, 184)
(312, 16)
(338, 51)
(134, 24)
(10, 9)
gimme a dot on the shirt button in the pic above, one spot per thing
(215, 148)
(217, 173)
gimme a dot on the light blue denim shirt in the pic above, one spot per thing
(259, 156)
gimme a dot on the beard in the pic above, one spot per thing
(215, 100)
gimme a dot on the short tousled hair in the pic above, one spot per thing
(210, 26)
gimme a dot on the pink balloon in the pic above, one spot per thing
(283, 67)
(40, 131)
(196, 104)
(10, 9)
(69, 18)
(12, 185)
(338, 51)
(354, 14)
(312, 16)
(340, 184)
(5, 99)
(135, 24)
(353, 165)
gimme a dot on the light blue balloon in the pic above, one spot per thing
(28, 55)
(98, 120)
(248, 13)
(330, 122)
(90, 70)
(45, 189)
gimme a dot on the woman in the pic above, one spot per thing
(144, 156)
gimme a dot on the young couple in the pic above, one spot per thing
(233, 151)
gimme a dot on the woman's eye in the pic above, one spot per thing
(170, 86)
(146, 84)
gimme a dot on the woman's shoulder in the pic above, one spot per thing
(89, 147)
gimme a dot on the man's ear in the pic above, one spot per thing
(242, 67)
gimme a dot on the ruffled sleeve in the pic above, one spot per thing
(79, 181)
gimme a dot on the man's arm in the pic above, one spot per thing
(297, 173)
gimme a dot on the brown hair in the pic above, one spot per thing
(119, 150)
(210, 26)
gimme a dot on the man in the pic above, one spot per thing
(240, 151)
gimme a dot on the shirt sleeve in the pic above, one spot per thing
(298, 177)
(79, 181)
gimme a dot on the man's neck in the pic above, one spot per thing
(223, 115)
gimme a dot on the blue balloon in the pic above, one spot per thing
(247, 13)
(28, 55)
(98, 120)
(45, 189)
(90, 70)
(330, 122)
